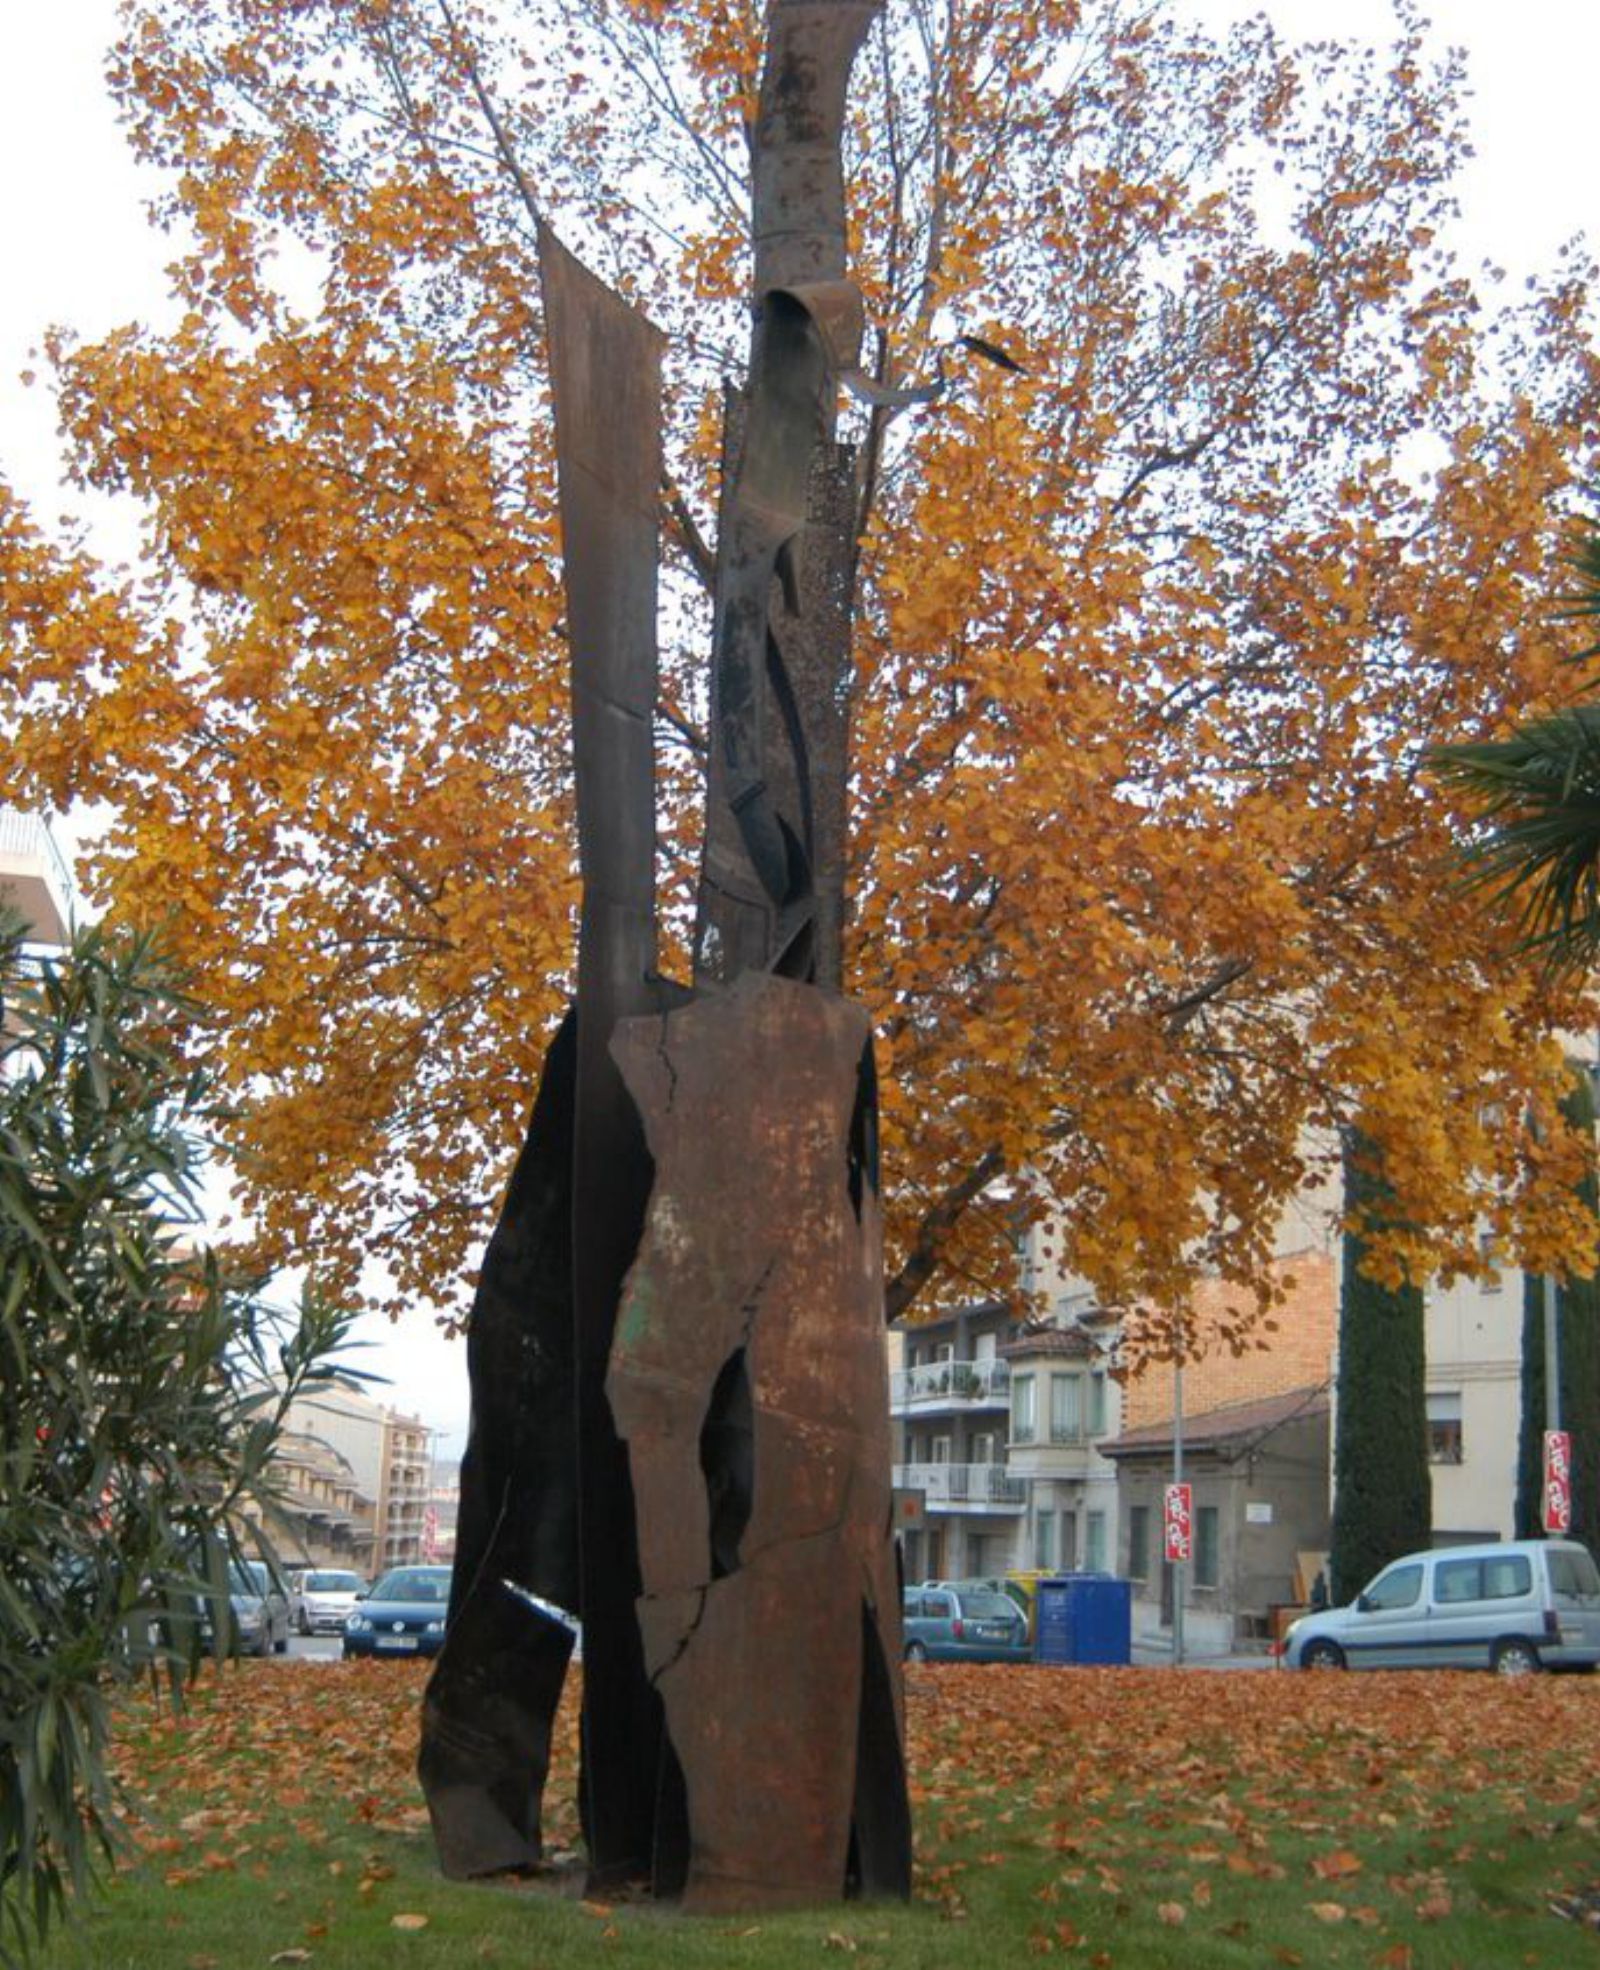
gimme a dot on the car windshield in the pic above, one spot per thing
(333, 1583)
(414, 1583)
(249, 1577)
(1572, 1573)
(987, 1607)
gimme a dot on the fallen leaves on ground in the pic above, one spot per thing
(1175, 1797)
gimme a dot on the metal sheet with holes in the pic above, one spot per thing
(748, 1382)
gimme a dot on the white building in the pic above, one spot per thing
(387, 1457)
(34, 877)
(1000, 1423)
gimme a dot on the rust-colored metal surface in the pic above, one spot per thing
(748, 1381)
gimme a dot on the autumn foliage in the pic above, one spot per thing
(1152, 636)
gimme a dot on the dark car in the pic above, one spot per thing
(963, 1624)
(258, 1610)
(403, 1615)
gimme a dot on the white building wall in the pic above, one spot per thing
(1474, 1351)
(352, 1424)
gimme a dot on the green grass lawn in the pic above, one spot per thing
(1137, 1817)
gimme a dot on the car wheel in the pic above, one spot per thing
(1516, 1658)
(915, 1652)
(1322, 1655)
(281, 1645)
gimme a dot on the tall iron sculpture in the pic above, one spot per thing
(680, 1419)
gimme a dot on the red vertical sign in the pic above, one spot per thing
(1178, 1512)
(1557, 1481)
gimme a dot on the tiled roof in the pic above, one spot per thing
(1238, 1422)
(976, 1313)
(1065, 1343)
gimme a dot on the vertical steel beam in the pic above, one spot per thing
(605, 363)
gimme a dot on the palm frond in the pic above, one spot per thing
(1538, 850)
(1584, 598)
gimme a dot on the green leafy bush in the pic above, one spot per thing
(141, 1392)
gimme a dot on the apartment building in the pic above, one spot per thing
(950, 1404)
(34, 877)
(327, 1519)
(1001, 1424)
(387, 1457)
(1065, 1405)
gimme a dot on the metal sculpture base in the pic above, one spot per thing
(747, 1383)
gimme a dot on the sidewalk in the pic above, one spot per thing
(1151, 1654)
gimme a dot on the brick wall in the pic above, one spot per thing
(1298, 1355)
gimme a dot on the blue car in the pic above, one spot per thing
(964, 1624)
(403, 1615)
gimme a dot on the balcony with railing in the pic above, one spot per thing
(963, 1487)
(34, 878)
(950, 1385)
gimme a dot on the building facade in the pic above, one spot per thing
(950, 1404)
(34, 878)
(1000, 1424)
(326, 1519)
(386, 1455)
(1066, 1404)
(1258, 1476)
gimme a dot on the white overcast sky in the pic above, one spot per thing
(76, 250)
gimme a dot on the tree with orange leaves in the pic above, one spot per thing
(1151, 633)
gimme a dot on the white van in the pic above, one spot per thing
(1517, 1606)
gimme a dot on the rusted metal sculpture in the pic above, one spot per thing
(690, 1254)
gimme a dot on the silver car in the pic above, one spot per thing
(328, 1596)
(1516, 1606)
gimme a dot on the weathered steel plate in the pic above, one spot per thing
(748, 1380)
(605, 366)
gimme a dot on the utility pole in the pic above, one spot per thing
(1179, 1566)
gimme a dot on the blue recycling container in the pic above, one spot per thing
(1083, 1618)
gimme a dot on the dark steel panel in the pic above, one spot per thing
(778, 676)
(492, 1695)
(605, 366)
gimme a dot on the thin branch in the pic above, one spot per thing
(502, 139)
(689, 537)
(923, 1259)
(1182, 1011)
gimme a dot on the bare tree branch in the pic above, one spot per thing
(938, 1221)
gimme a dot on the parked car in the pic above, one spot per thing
(258, 1609)
(963, 1623)
(1018, 1588)
(328, 1597)
(1515, 1607)
(294, 1578)
(403, 1615)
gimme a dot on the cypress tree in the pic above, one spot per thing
(1382, 1493)
(1578, 1315)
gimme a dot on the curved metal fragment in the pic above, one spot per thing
(491, 1699)
(770, 888)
